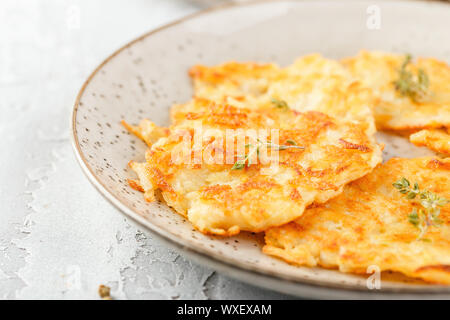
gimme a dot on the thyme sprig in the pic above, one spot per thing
(291, 142)
(280, 104)
(415, 87)
(255, 148)
(426, 216)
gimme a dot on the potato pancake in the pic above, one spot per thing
(311, 83)
(234, 82)
(411, 95)
(372, 223)
(435, 139)
(318, 155)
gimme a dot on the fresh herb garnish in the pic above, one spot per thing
(415, 87)
(247, 158)
(426, 216)
(291, 142)
(280, 104)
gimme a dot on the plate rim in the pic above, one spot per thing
(240, 272)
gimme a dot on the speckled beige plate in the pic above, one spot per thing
(148, 75)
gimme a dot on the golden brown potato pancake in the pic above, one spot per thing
(435, 139)
(311, 83)
(234, 82)
(223, 201)
(395, 111)
(370, 224)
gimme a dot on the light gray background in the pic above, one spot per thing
(59, 239)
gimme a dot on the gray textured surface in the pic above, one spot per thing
(58, 237)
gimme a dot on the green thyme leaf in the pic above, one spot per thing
(423, 79)
(413, 218)
(410, 85)
(280, 104)
(397, 185)
(291, 142)
(247, 158)
(405, 182)
(411, 195)
(238, 165)
(426, 216)
(280, 147)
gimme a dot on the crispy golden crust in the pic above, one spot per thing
(135, 185)
(234, 81)
(329, 114)
(311, 83)
(222, 201)
(146, 130)
(435, 139)
(368, 225)
(379, 70)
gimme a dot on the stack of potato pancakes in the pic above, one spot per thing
(328, 201)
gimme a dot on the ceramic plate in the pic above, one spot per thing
(148, 75)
